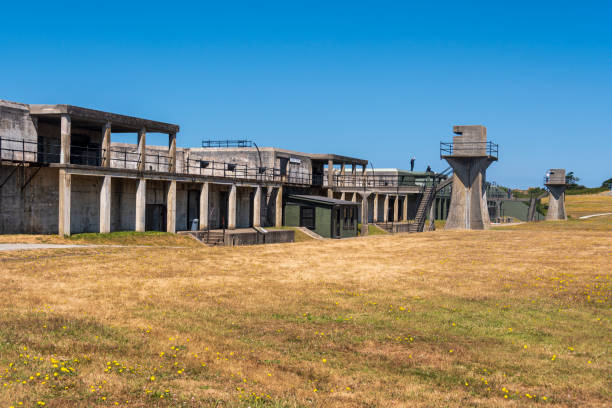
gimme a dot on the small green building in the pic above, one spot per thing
(328, 217)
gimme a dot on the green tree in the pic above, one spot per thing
(571, 179)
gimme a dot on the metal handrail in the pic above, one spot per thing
(469, 149)
(227, 143)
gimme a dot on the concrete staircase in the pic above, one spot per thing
(423, 209)
(213, 238)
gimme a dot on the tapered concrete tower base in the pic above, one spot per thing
(470, 155)
(468, 208)
(556, 203)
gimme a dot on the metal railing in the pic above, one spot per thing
(214, 168)
(227, 143)
(469, 149)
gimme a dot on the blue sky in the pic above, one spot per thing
(375, 80)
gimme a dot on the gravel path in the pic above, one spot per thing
(584, 217)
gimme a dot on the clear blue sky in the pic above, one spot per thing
(379, 80)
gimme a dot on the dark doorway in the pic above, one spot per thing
(224, 197)
(307, 217)
(155, 218)
(193, 207)
(284, 162)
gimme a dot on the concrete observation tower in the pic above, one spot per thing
(556, 185)
(470, 154)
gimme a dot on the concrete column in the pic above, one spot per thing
(257, 207)
(386, 209)
(354, 199)
(172, 152)
(432, 217)
(405, 208)
(330, 179)
(65, 188)
(142, 148)
(141, 205)
(106, 144)
(556, 203)
(354, 174)
(364, 214)
(343, 196)
(279, 207)
(396, 209)
(375, 210)
(105, 205)
(343, 173)
(65, 133)
(171, 207)
(204, 206)
(231, 208)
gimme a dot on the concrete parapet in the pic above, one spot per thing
(470, 140)
(555, 177)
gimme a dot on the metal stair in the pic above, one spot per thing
(429, 194)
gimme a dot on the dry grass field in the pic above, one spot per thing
(513, 317)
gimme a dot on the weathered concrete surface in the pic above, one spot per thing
(171, 207)
(29, 209)
(279, 207)
(105, 205)
(204, 209)
(251, 237)
(141, 205)
(556, 203)
(468, 205)
(257, 207)
(65, 185)
(231, 208)
(364, 214)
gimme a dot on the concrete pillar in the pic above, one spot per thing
(172, 152)
(343, 196)
(279, 208)
(231, 208)
(396, 209)
(432, 217)
(204, 206)
(354, 174)
(405, 208)
(106, 145)
(556, 203)
(343, 173)
(142, 148)
(171, 207)
(105, 205)
(65, 133)
(364, 214)
(330, 178)
(375, 209)
(141, 205)
(257, 207)
(386, 209)
(65, 188)
(354, 199)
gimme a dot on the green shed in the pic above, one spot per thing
(328, 217)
